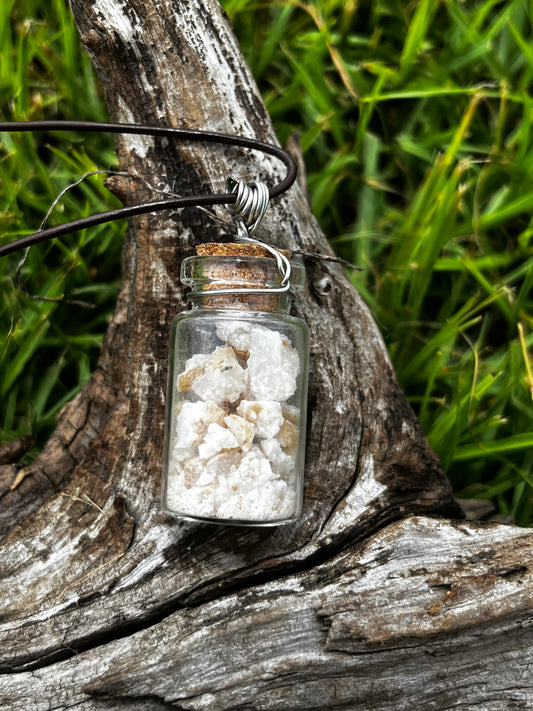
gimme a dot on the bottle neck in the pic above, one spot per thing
(270, 303)
(247, 272)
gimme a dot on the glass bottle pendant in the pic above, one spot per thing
(237, 392)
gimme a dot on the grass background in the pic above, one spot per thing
(416, 124)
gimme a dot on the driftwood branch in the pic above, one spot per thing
(372, 601)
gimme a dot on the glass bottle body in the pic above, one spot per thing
(236, 413)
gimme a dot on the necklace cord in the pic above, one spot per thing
(179, 134)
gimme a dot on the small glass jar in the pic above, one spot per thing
(237, 393)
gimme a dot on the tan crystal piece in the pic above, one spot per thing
(194, 369)
(288, 437)
(267, 416)
(243, 430)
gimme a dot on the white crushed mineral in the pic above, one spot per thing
(233, 446)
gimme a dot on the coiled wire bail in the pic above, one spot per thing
(248, 210)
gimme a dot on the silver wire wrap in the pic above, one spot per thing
(247, 212)
(250, 206)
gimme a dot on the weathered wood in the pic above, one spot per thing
(426, 615)
(108, 604)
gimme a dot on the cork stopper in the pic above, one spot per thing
(234, 249)
(234, 266)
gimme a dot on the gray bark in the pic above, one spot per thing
(371, 601)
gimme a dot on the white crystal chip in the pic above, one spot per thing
(253, 492)
(193, 420)
(273, 366)
(217, 439)
(281, 463)
(218, 378)
(236, 333)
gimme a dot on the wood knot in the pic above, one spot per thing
(323, 286)
(92, 40)
(15, 449)
(120, 185)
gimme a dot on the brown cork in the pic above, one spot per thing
(234, 249)
(251, 276)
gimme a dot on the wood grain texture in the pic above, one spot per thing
(108, 604)
(427, 614)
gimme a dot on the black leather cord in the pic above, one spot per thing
(140, 209)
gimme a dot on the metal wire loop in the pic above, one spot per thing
(248, 210)
(250, 205)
